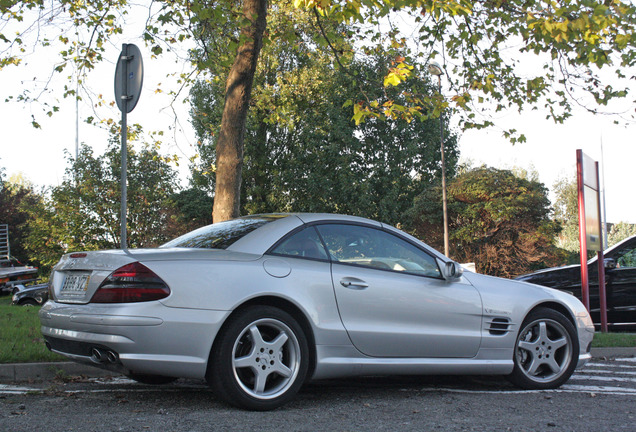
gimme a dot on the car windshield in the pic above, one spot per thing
(222, 234)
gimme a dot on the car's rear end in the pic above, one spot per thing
(108, 309)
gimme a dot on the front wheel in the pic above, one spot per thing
(260, 360)
(546, 351)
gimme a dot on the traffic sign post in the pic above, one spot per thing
(129, 77)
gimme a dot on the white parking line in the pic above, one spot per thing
(603, 378)
(7, 389)
(626, 359)
(597, 389)
(599, 371)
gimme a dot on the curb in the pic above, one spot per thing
(21, 372)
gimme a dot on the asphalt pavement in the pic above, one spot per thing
(25, 372)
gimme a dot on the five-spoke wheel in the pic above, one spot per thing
(546, 350)
(261, 359)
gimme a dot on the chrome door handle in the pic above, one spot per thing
(353, 283)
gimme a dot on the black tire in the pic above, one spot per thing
(151, 379)
(259, 360)
(29, 302)
(546, 351)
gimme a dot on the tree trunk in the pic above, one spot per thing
(238, 89)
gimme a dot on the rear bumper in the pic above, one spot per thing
(177, 344)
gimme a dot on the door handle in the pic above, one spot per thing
(353, 283)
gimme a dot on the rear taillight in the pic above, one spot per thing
(131, 283)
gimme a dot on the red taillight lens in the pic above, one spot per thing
(131, 283)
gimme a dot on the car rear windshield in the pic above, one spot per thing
(222, 234)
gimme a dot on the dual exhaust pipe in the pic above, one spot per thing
(99, 355)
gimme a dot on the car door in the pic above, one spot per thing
(393, 300)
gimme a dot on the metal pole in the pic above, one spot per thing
(604, 219)
(444, 199)
(124, 146)
(77, 118)
(600, 260)
(585, 285)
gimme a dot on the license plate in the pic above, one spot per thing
(75, 284)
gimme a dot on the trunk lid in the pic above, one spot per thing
(78, 275)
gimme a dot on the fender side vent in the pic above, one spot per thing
(499, 326)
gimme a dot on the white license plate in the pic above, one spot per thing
(75, 284)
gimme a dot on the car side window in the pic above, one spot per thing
(627, 258)
(305, 244)
(370, 247)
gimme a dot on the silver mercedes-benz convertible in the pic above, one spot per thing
(260, 304)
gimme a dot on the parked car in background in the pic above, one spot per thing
(620, 280)
(35, 295)
(260, 304)
(13, 273)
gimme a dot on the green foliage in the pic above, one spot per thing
(497, 220)
(192, 209)
(570, 42)
(620, 232)
(303, 152)
(14, 199)
(87, 202)
(83, 212)
(566, 212)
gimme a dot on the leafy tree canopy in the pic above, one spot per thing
(620, 232)
(497, 220)
(573, 42)
(482, 46)
(303, 150)
(87, 202)
(476, 42)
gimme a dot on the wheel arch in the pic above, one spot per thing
(558, 307)
(285, 305)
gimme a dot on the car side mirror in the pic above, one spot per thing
(610, 263)
(452, 270)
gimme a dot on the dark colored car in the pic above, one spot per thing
(35, 295)
(620, 281)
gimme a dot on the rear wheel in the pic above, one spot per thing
(546, 351)
(260, 360)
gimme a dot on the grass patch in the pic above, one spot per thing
(612, 340)
(20, 337)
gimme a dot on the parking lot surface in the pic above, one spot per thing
(599, 397)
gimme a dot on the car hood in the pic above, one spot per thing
(113, 259)
(516, 288)
(550, 270)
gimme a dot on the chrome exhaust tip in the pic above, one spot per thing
(97, 355)
(112, 356)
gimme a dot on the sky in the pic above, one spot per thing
(39, 154)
